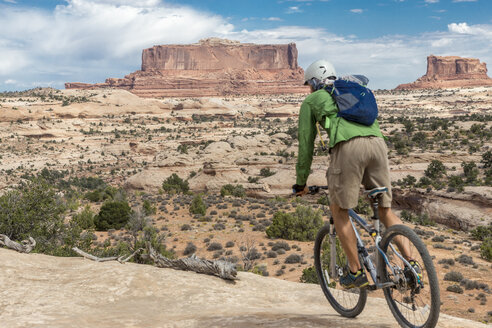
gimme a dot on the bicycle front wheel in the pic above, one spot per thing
(414, 300)
(330, 261)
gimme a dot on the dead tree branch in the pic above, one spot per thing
(25, 246)
(120, 259)
(222, 269)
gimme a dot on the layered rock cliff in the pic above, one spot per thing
(212, 67)
(451, 72)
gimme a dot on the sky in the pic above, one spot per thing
(50, 42)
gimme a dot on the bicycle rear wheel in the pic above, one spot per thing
(414, 301)
(348, 302)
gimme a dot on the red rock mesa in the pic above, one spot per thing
(212, 67)
(451, 72)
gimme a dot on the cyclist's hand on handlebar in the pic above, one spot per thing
(299, 190)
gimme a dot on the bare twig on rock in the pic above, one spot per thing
(222, 269)
(25, 246)
(120, 259)
(92, 257)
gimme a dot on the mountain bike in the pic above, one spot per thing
(413, 298)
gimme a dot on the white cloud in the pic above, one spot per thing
(10, 1)
(465, 0)
(431, 1)
(357, 11)
(293, 10)
(273, 19)
(10, 81)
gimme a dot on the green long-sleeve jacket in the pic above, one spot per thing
(320, 107)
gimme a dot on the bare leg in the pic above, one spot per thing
(389, 218)
(346, 235)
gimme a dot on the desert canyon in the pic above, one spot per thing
(219, 112)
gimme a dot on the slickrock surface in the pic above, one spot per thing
(43, 291)
(451, 72)
(212, 67)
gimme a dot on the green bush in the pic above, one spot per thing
(32, 210)
(482, 232)
(198, 206)
(301, 225)
(148, 208)
(309, 276)
(101, 194)
(112, 215)
(233, 190)
(486, 249)
(421, 219)
(85, 219)
(266, 172)
(435, 170)
(174, 184)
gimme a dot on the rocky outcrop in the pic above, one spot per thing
(58, 292)
(451, 72)
(212, 67)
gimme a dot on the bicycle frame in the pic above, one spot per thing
(373, 231)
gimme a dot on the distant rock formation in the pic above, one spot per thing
(212, 67)
(451, 72)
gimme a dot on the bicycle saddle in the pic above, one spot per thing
(373, 193)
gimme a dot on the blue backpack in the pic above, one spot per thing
(355, 102)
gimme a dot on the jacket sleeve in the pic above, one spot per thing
(306, 133)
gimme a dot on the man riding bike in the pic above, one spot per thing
(358, 155)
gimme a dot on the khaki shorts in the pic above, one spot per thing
(358, 160)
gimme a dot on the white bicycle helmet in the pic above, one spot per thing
(318, 72)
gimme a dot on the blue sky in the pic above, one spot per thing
(47, 43)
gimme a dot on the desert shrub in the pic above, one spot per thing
(465, 259)
(85, 219)
(266, 172)
(421, 219)
(456, 182)
(455, 289)
(174, 184)
(487, 159)
(363, 207)
(214, 247)
(102, 194)
(481, 232)
(112, 215)
(281, 272)
(198, 206)
(233, 190)
(446, 261)
(229, 244)
(280, 245)
(309, 276)
(293, 258)
(453, 276)
(185, 227)
(486, 249)
(323, 200)
(261, 270)
(219, 226)
(470, 171)
(435, 170)
(439, 239)
(301, 225)
(469, 284)
(148, 208)
(271, 254)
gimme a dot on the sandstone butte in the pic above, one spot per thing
(211, 67)
(451, 72)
